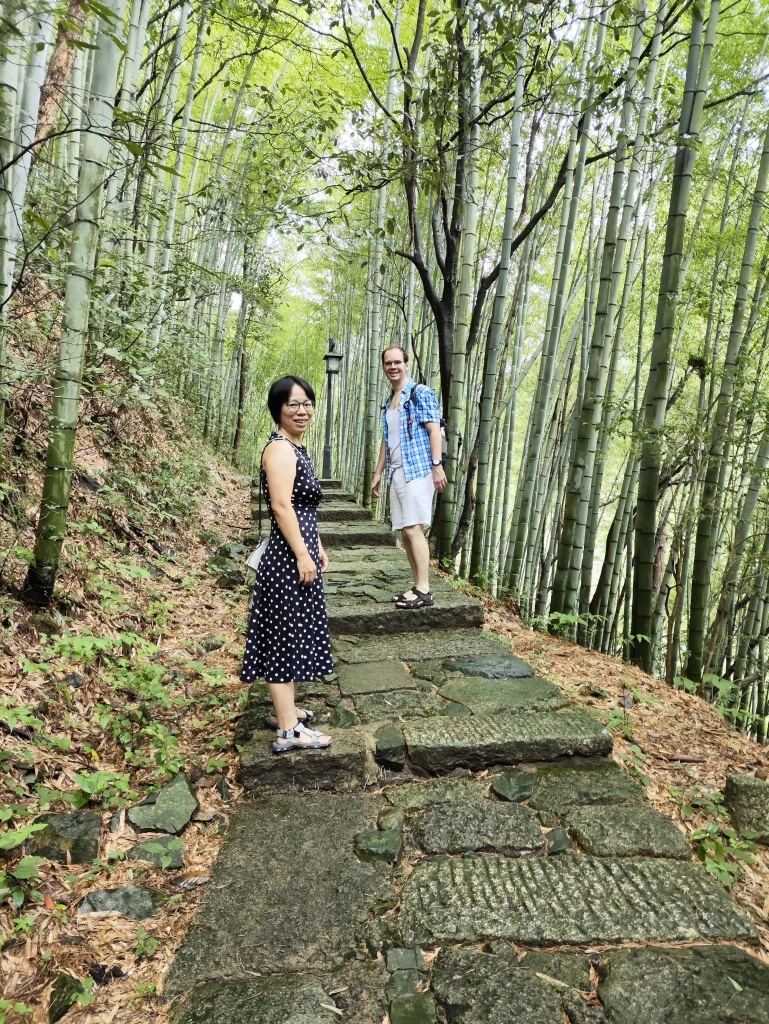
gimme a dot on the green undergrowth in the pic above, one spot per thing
(97, 708)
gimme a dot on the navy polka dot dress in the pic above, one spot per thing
(288, 639)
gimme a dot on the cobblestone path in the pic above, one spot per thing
(467, 851)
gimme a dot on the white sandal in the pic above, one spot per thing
(292, 743)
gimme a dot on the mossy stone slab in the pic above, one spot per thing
(505, 666)
(569, 968)
(560, 788)
(70, 832)
(398, 704)
(430, 671)
(479, 826)
(748, 800)
(379, 845)
(341, 768)
(514, 785)
(132, 901)
(477, 741)
(415, 1008)
(567, 899)
(504, 696)
(169, 811)
(376, 677)
(413, 795)
(258, 999)
(415, 646)
(390, 751)
(699, 985)
(475, 987)
(402, 983)
(255, 916)
(391, 818)
(627, 832)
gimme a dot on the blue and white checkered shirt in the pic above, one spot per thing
(419, 405)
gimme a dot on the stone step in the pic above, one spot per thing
(338, 535)
(343, 512)
(567, 900)
(441, 744)
(366, 617)
(347, 497)
(331, 485)
(343, 767)
(416, 647)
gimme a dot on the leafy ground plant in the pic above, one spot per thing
(718, 846)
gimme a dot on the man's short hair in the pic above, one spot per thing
(391, 348)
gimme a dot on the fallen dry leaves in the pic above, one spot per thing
(60, 939)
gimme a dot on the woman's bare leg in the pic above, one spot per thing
(283, 699)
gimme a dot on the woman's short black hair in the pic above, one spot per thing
(280, 392)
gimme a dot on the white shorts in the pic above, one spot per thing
(411, 501)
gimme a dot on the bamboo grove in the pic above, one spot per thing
(557, 208)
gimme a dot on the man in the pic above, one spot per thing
(412, 452)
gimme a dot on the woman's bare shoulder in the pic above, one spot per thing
(279, 454)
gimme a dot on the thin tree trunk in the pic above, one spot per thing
(57, 481)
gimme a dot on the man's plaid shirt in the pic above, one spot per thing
(419, 405)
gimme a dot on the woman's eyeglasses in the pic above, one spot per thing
(308, 406)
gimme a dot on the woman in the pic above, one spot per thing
(288, 640)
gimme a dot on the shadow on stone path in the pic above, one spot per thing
(466, 851)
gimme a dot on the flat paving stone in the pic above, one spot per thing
(474, 987)
(507, 666)
(558, 789)
(412, 795)
(263, 1000)
(500, 696)
(627, 832)
(287, 892)
(416, 646)
(377, 677)
(384, 619)
(398, 704)
(478, 826)
(478, 742)
(699, 985)
(569, 968)
(341, 768)
(568, 899)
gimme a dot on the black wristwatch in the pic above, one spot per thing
(437, 462)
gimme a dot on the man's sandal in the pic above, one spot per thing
(422, 600)
(293, 743)
(399, 597)
(271, 721)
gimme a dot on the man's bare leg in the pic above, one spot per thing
(406, 538)
(418, 552)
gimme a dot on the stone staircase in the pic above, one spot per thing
(466, 851)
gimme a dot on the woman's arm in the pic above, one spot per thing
(280, 466)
